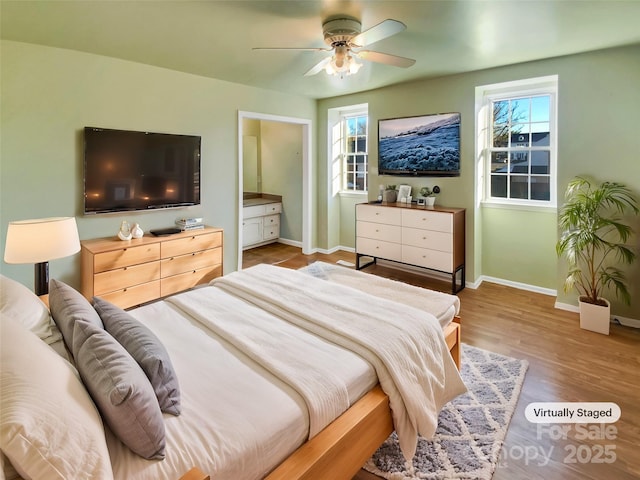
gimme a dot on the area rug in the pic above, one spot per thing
(471, 428)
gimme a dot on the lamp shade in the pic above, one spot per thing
(41, 240)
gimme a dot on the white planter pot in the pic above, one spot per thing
(595, 317)
(430, 201)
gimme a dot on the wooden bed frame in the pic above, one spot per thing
(340, 450)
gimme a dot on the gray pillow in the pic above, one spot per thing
(120, 390)
(68, 306)
(143, 345)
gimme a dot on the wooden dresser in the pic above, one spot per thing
(129, 273)
(427, 237)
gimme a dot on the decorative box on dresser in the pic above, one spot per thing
(129, 273)
(427, 237)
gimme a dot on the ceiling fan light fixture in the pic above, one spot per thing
(342, 65)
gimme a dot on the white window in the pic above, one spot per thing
(517, 142)
(354, 153)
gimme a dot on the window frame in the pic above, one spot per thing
(345, 154)
(486, 96)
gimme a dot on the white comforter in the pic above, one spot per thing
(406, 346)
(239, 420)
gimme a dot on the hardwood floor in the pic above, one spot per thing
(566, 364)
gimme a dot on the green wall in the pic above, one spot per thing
(281, 156)
(598, 120)
(50, 94)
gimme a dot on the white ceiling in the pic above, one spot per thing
(215, 38)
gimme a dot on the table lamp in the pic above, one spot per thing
(39, 241)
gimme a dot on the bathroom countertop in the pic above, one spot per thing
(263, 199)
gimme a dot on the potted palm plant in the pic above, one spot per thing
(593, 236)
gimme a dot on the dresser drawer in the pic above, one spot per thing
(427, 239)
(131, 296)
(181, 282)
(190, 261)
(371, 213)
(441, 222)
(120, 278)
(192, 243)
(424, 257)
(379, 248)
(125, 257)
(379, 231)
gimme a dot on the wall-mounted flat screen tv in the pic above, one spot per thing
(427, 145)
(128, 170)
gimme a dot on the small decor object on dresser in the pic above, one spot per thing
(390, 194)
(190, 223)
(429, 195)
(136, 231)
(125, 231)
(404, 193)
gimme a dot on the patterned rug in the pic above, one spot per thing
(471, 428)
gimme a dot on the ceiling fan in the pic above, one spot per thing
(345, 40)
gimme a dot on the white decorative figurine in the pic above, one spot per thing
(136, 231)
(125, 232)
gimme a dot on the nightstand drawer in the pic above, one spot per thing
(181, 282)
(125, 277)
(191, 261)
(125, 257)
(192, 243)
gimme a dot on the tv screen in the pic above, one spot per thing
(427, 145)
(126, 170)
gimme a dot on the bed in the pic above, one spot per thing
(305, 406)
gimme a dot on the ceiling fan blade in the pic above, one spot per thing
(317, 68)
(384, 29)
(318, 49)
(385, 58)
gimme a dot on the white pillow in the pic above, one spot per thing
(24, 306)
(49, 427)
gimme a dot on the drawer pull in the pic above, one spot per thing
(124, 289)
(125, 268)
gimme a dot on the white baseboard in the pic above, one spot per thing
(293, 243)
(329, 251)
(627, 322)
(567, 306)
(519, 285)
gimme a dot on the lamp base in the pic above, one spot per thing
(41, 286)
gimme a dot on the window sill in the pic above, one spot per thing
(352, 194)
(519, 206)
